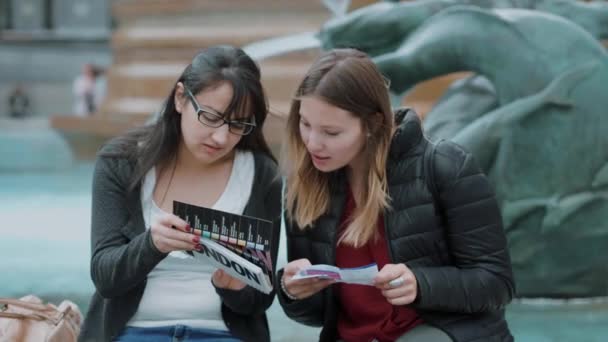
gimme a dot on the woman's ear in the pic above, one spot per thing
(179, 97)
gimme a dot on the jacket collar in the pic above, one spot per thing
(408, 133)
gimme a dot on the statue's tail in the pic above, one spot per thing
(559, 90)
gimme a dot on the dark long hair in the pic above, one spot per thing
(157, 144)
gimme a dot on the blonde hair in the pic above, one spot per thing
(347, 79)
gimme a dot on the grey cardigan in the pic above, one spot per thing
(123, 253)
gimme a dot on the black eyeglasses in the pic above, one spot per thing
(211, 118)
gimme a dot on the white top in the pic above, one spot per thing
(179, 291)
(80, 87)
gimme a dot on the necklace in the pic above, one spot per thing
(162, 200)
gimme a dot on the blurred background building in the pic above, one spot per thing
(43, 45)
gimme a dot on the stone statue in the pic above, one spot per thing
(381, 27)
(539, 129)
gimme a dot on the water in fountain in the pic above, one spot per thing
(31, 144)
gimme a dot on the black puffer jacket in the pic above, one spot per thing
(454, 245)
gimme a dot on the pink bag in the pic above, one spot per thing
(29, 320)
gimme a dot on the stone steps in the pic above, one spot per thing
(86, 134)
(150, 54)
(173, 31)
(200, 36)
(129, 9)
(142, 79)
(155, 40)
(132, 107)
(279, 78)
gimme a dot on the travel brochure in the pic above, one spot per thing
(240, 245)
(363, 275)
(237, 244)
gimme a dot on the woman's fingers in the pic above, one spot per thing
(398, 292)
(387, 274)
(294, 266)
(303, 288)
(170, 220)
(174, 234)
(224, 280)
(397, 283)
(400, 296)
(176, 245)
(169, 234)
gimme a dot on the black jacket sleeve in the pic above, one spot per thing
(117, 262)
(250, 301)
(480, 276)
(308, 311)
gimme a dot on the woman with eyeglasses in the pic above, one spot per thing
(206, 148)
(365, 186)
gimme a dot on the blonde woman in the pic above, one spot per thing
(365, 186)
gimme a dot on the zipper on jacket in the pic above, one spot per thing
(386, 237)
(335, 244)
(385, 220)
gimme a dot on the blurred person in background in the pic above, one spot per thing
(19, 103)
(88, 90)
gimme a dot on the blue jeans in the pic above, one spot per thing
(174, 333)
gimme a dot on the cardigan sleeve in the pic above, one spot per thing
(117, 263)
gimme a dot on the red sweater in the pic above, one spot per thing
(364, 312)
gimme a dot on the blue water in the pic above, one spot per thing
(45, 231)
(44, 249)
